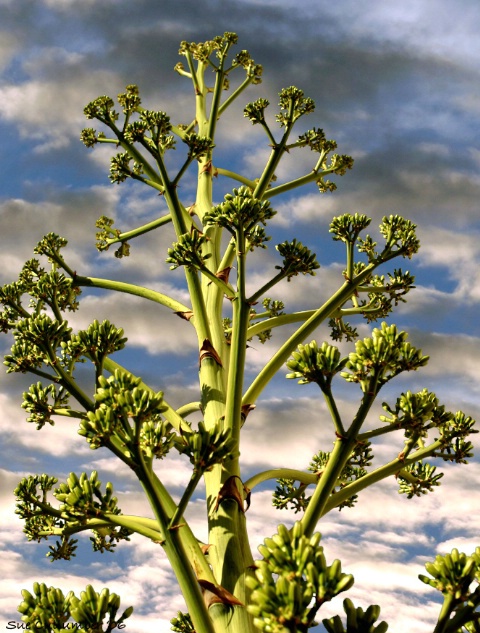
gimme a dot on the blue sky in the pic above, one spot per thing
(396, 85)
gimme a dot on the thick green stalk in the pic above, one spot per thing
(217, 93)
(449, 604)
(338, 458)
(269, 171)
(178, 558)
(241, 312)
(229, 553)
(227, 526)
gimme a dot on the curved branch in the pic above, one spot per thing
(133, 289)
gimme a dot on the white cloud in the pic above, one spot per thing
(70, 214)
(146, 324)
(459, 253)
(50, 115)
(58, 440)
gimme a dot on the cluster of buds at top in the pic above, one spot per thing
(255, 111)
(43, 341)
(454, 573)
(416, 413)
(82, 497)
(316, 140)
(152, 130)
(42, 288)
(130, 99)
(253, 70)
(31, 493)
(399, 234)
(383, 294)
(220, 45)
(106, 233)
(418, 479)
(348, 227)
(201, 51)
(240, 211)
(377, 359)
(120, 168)
(30, 350)
(41, 401)
(101, 108)
(293, 104)
(48, 609)
(292, 581)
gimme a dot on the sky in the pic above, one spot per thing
(396, 85)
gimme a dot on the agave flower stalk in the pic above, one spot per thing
(224, 588)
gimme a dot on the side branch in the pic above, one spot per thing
(133, 289)
(392, 468)
(279, 358)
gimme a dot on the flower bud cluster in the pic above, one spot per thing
(418, 479)
(452, 574)
(47, 609)
(358, 620)
(311, 363)
(81, 496)
(381, 357)
(188, 251)
(120, 168)
(240, 211)
(205, 448)
(292, 581)
(293, 105)
(348, 227)
(182, 623)
(400, 236)
(92, 608)
(41, 401)
(120, 401)
(297, 259)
